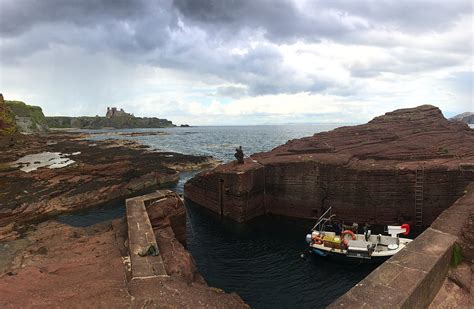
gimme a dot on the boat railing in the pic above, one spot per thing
(323, 219)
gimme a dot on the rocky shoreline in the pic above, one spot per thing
(45, 263)
(101, 172)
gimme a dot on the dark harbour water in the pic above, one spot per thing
(260, 260)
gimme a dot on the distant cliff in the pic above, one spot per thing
(28, 118)
(467, 117)
(114, 118)
(123, 122)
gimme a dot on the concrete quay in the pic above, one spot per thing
(141, 237)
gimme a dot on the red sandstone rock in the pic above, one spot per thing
(367, 173)
(103, 172)
(58, 266)
(168, 219)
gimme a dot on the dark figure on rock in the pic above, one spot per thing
(239, 155)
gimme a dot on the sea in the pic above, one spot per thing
(266, 260)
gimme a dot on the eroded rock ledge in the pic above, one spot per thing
(102, 171)
(379, 172)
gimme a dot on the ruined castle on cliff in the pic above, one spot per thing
(113, 112)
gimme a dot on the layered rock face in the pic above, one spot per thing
(405, 166)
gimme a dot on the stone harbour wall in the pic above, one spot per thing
(306, 189)
(413, 277)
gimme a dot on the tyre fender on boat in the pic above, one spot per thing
(347, 232)
(317, 240)
(406, 226)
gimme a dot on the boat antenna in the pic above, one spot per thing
(322, 218)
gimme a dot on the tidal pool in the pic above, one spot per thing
(47, 159)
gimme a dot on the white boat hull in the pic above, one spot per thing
(381, 249)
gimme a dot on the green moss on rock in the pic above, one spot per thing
(7, 119)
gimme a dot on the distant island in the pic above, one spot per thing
(114, 118)
(467, 117)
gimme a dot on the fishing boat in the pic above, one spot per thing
(328, 238)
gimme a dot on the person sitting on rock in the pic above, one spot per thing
(239, 155)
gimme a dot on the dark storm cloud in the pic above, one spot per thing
(281, 21)
(121, 25)
(318, 19)
(197, 36)
(18, 16)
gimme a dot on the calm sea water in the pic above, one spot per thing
(220, 142)
(265, 260)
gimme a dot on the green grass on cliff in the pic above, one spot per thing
(21, 109)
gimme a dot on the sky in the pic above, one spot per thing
(217, 62)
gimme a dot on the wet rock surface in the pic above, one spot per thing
(101, 172)
(367, 173)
